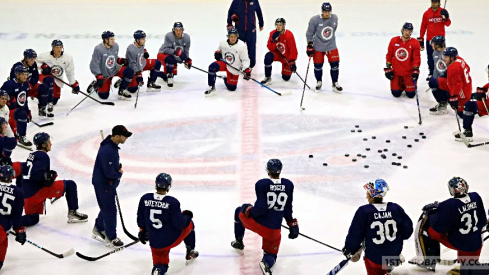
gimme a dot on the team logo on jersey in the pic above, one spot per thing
(327, 33)
(441, 66)
(57, 70)
(21, 98)
(141, 60)
(110, 62)
(229, 57)
(281, 47)
(402, 54)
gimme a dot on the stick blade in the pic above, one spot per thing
(68, 253)
(86, 258)
(108, 103)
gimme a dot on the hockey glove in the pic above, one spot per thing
(421, 42)
(389, 73)
(293, 229)
(178, 52)
(218, 55)
(229, 27)
(415, 74)
(430, 207)
(247, 74)
(50, 177)
(143, 236)
(235, 19)
(444, 14)
(310, 49)
(433, 83)
(188, 63)
(75, 88)
(100, 81)
(275, 36)
(188, 213)
(46, 70)
(122, 61)
(480, 94)
(146, 54)
(20, 237)
(453, 100)
(353, 257)
(139, 79)
(246, 208)
(293, 67)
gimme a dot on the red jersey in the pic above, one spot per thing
(459, 80)
(285, 45)
(403, 56)
(433, 22)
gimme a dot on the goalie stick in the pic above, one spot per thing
(88, 258)
(63, 255)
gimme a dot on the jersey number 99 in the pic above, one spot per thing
(277, 202)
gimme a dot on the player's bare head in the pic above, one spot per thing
(458, 187)
(163, 183)
(139, 37)
(435, 4)
(280, 24)
(178, 29)
(42, 141)
(376, 190)
(3, 125)
(274, 168)
(449, 55)
(30, 57)
(21, 73)
(407, 30)
(120, 134)
(57, 46)
(108, 38)
(3, 98)
(233, 35)
(326, 9)
(7, 173)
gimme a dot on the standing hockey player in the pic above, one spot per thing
(164, 225)
(107, 173)
(5, 112)
(434, 21)
(39, 90)
(11, 213)
(175, 49)
(282, 49)
(457, 223)
(242, 14)
(137, 56)
(234, 53)
(382, 227)
(402, 62)
(17, 89)
(106, 64)
(273, 203)
(441, 96)
(40, 184)
(57, 63)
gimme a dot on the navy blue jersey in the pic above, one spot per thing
(38, 167)
(11, 206)
(246, 9)
(462, 219)
(273, 202)
(17, 93)
(32, 77)
(383, 227)
(161, 217)
(106, 173)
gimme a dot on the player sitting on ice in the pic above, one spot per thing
(281, 44)
(231, 52)
(441, 96)
(456, 223)
(164, 225)
(40, 184)
(381, 227)
(273, 203)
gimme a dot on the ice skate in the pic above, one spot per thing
(124, 95)
(169, 81)
(98, 235)
(24, 142)
(337, 88)
(43, 113)
(265, 268)
(117, 84)
(115, 243)
(211, 91)
(467, 134)
(267, 81)
(76, 217)
(319, 84)
(191, 255)
(439, 109)
(152, 87)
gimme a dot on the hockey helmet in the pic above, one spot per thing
(107, 34)
(30, 53)
(438, 40)
(233, 31)
(458, 187)
(164, 181)
(280, 20)
(177, 25)
(326, 6)
(450, 51)
(408, 26)
(377, 189)
(139, 34)
(56, 42)
(274, 166)
(7, 173)
(40, 139)
(19, 69)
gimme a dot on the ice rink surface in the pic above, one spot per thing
(216, 148)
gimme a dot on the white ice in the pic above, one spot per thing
(216, 148)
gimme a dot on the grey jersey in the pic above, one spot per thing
(104, 61)
(135, 57)
(172, 43)
(322, 32)
(440, 66)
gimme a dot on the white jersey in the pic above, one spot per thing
(235, 55)
(59, 66)
(5, 112)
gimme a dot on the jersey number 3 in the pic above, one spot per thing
(277, 202)
(384, 231)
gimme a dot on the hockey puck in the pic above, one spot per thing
(359, 130)
(383, 156)
(365, 139)
(421, 134)
(368, 149)
(398, 164)
(310, 156)
(364, 156)
(388, 141)
(403, 137)
(405, 127)
(394, 163)
(409, 146)
(399, 157)
(380, 151)
(353, 131)
(373, 137)
(366, 166)
(325, 164)
(385, 150)
(416, 140)
(353, 160)
(394, 154)
(303, 108)
(359, 155)
(423, 137)
(405, 167)
(347, 155)
(356, 126)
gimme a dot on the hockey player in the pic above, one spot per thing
(39, 90)
(402, 62)
(282, 49)
(107, 173)
(456, 223)
(106, 64)
(5, 112)
(164, 225)
(7, 144)
(40, 184)
(13, 201)
(17, 89)
(321, 40)
(57, 63)
(234, 52)
(433, 23)
(274, 198)
(382, 227)
(137, 57)
(441, 96)
(242, 14)
(175, 49)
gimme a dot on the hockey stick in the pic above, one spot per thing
(42, 125)
(87, 258)
(339, 267)
(204, 71)
(334, 248)
(81, 101)
(63, 255)
(295, 71)
(264, 86)
(464, 139)
(483, 143)
(54, 200)
(137, 97)
(417, 101)
(101, 102)
(30, 149)
(122, 220)
(304, 89)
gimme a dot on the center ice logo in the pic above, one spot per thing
(110, 62)
(402, 54)
(441, 66)
(229, 57)
(21, 98)
(57, 70)
(327, 33)
(281, 47)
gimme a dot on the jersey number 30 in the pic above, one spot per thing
(384, 232)
(277, 202)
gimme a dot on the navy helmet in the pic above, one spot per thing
(450, 51)
(274, 166)
(20, 69)
(7, 173)
(233, 31)
(30, 53)
(139, 34)
(438, 40)
(408, 26)
(177, 25)
(326, 6)
(377, 189)
(164, 181)
(280, 20)
(4, 93)
(107, 34)
(40, 139)
(458, 187)
(56, 42)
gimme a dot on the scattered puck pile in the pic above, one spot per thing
(383, 152)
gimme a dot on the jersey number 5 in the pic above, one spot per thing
(277, 202)
(468, 223)
(6, 204)
(384, 231)
(156, 222)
